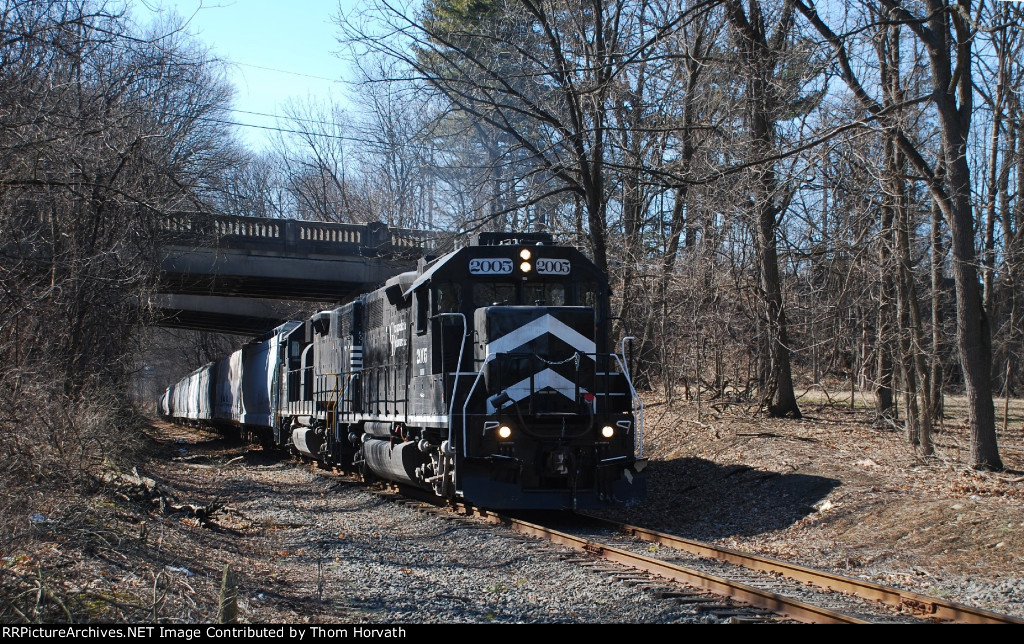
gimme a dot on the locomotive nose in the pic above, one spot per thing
(539, 357)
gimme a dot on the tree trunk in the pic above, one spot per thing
(779, 398)
(760, 60)
(884, 403)
(937, 258)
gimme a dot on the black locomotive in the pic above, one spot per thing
(485, 376)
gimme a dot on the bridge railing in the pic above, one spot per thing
(293, 236)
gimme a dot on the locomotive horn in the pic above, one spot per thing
(500, 400)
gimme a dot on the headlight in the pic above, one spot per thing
(607, 431)
(525, 254)
(525, 267)
(504, 431)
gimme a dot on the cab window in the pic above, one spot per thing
(493, 293)
(422, 309)
(541, 294)
(448, 298)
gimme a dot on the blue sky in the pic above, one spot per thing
(279, 51)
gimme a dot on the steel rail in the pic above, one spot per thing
(915, 602)
(756, 597)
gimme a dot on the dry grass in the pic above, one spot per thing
(55, 508)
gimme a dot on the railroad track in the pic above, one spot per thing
(794, 592)
(904, 601)
(742, 594)
(726, 583)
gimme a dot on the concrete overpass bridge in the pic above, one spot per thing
(238, 274)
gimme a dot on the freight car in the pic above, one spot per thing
(486, 375)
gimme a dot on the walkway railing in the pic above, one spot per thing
(199, 229)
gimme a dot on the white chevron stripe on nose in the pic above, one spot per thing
(543, 380)
(535, 329)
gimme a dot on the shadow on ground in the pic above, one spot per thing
(689, 497)
(701, 499)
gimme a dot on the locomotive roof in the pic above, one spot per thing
(282, 328)
(428, 272)
(496, 240)
(403, 280)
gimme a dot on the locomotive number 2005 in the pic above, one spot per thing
(553, 266)
(490, 266)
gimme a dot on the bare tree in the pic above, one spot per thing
(105, 127)
(252, 187)
(317, 164)
(946, 32)
(396, 126)
(543, 74)
(1001, 66)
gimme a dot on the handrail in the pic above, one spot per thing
(638, 410)
(465, 405)
(458, 372)
(294, 234)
